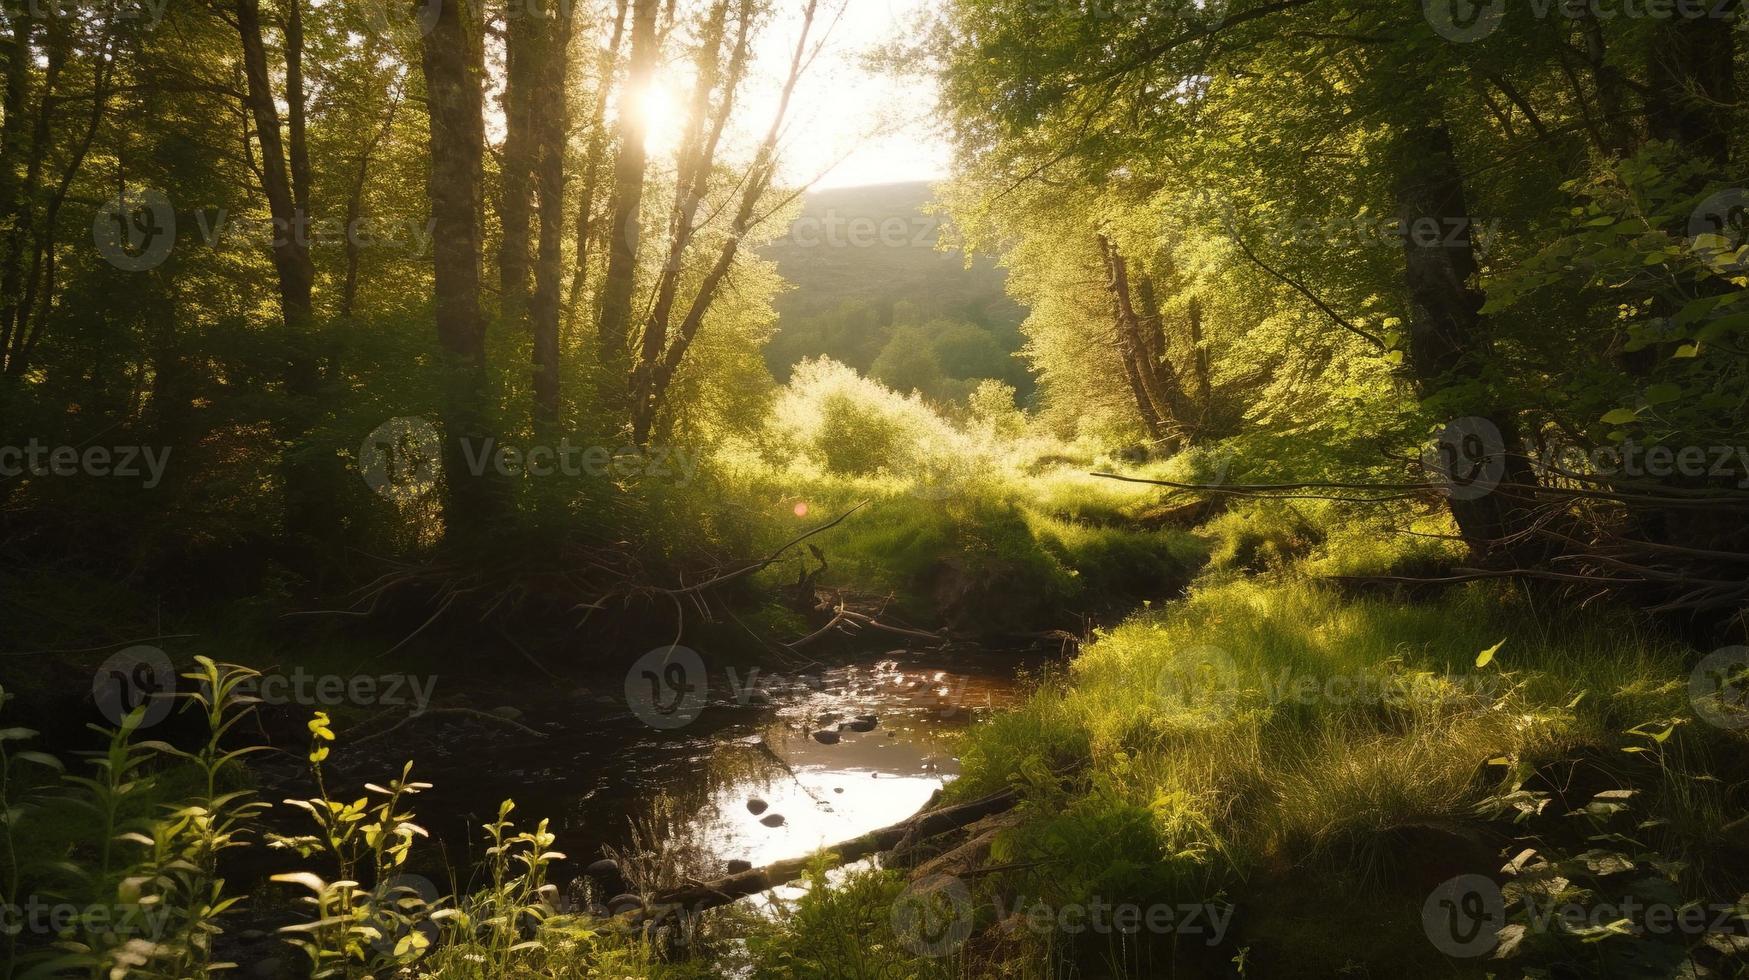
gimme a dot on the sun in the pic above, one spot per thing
(661, 114)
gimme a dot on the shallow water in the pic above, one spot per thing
(601, 769)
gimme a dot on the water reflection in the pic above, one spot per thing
(821, 757)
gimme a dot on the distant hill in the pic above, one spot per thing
(864, 264)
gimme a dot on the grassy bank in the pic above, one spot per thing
(973, 521)
(1317, 767)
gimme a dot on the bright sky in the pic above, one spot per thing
(855, 125)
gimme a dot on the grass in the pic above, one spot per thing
(1266, 731)
(963, 514)
(1303, 760)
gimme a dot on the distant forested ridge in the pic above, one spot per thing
(872, 290)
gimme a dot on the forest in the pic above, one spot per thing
(874, 489)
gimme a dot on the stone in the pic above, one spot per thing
(756, 806)
(624, 903)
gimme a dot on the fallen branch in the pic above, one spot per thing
(768, 561)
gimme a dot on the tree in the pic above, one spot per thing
(452, 68)
(613, 337)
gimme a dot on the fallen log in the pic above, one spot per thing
(699, 896)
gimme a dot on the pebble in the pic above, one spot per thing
(756, 806)
(826, 738)
(773, 820)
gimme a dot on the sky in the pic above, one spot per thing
(854, 125)
(865, 127)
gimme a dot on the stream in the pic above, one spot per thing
(761, 768)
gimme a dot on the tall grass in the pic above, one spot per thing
(1264, 729)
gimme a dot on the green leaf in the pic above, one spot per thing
(1621, 416)
(1663, 394)
(1486, 657)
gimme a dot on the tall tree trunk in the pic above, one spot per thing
(27, 284)
(1199, 353)
(286, 184)
(1615, 128)
(452, 64)
(525, 39)
(1166, 378)
(553, 124)
(697, 159)
(355, 207)
(291, 256)
(758, 181)
(1126, 352)
(614, 332)
(1693, 85)
(595, 149)
(1448, 343)
(19, 219)
(1157, 382)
